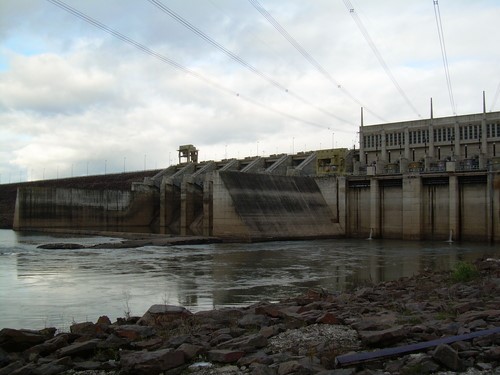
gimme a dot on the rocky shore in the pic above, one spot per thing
(435, 322)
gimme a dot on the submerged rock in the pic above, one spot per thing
(61, 246)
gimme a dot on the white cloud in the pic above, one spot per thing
(73, 96)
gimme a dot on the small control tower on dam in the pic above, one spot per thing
(437, 179)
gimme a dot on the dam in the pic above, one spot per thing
(432, 179)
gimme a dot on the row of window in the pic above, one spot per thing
(467, 132)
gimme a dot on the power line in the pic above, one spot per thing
(439, 24)
(174, 63)
(378, 55)
(306, 55)
(237, 58)
(495, 98)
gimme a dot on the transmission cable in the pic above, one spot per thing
(306, 55)
(378, 55)
(175, 64)
(495, 98)
(237, 58)
(439, 24)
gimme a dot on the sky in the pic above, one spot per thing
(76, 99)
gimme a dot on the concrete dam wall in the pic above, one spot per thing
(248, 206)
(41, 208)
(259, 206)
(430, 207)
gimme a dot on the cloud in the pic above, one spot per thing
(51, 83)
(73, 96)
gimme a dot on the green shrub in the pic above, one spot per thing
(463, 272)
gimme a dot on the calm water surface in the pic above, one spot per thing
(41, 288)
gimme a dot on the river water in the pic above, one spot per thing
(45, 288)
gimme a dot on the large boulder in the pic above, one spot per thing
(17, 340)
(79, 349)
(159, 315)
(384, 338)
(447, 356)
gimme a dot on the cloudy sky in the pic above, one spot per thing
(76, 99)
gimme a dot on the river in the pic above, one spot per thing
(53, 288)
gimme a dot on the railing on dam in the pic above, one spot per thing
(466, 165)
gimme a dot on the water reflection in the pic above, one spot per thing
(53, 287)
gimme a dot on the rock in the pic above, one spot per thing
(327, 318)
(259, 369)
(16, 340)
(270, 310)
(134, 332)
(84, 329)
(258, 357)
(225, 355)
(376, 323)
(474, 315)
(253, 320)
(200, 366)
(271, 330)
(151, 362)
(158, 315)
(81, 349)
(49, 346)
(493, 353)
(419, 363)
(225, 317)
(383, 338)
(220, 339)
(150, 344)
(293, 320)
(28, 369)
(10, 368)
(87, 366)
(289, 367)
(344, 371)
(310, 317)
(190, 351)
(61, 246)
(246, 343)
(54, 367)
(175, 341)
(4, 358)
(447, 356)
(104, 320)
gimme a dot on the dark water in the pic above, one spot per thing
(41, 288)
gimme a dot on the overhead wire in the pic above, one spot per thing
(238, 59)
(378, 55)
(141, 47)
(307, 55)
(439, 24)
(495, 98)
